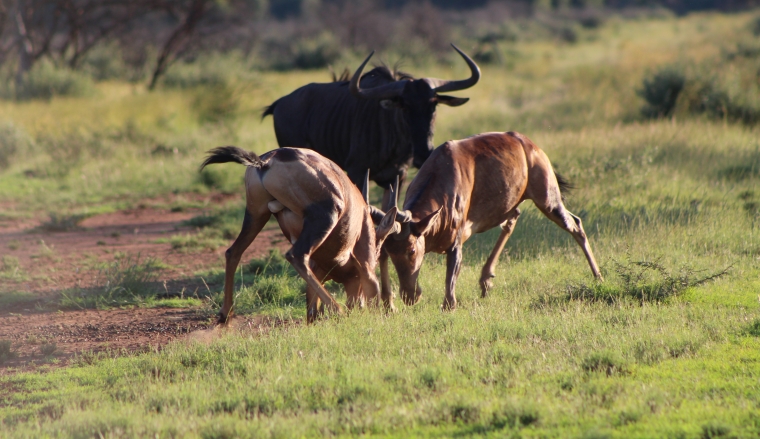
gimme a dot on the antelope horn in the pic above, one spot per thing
(395, 192)
(365, 188)
(387, 91)
(403, 216)
(443, 85)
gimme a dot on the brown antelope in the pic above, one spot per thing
(320, 212)
(470, 186)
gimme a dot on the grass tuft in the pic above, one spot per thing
(715, 430)
(606, 362)
(128, 280)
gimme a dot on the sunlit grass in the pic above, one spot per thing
(531, 360)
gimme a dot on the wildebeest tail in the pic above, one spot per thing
(269, 110)
(564, 184)
(226, 154)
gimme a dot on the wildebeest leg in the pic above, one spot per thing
(488, 270)
(252, 225)
(453, 264)
(316, 228)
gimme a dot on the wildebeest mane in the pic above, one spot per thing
(380, 75)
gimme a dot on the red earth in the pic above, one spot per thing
(50, 263)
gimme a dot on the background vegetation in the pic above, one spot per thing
(652, 116)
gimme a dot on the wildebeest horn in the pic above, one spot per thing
(387, 91)
(365, 188)
(443, 85)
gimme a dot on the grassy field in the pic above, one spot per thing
(658, 350)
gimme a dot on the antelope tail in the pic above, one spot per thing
(226, 154)
(564, 185)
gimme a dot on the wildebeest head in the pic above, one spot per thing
(418, 99)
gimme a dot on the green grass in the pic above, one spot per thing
(548, 354)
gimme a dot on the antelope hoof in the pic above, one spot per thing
(222, 319)
(449, 305)
(485, 285)
(337, 309)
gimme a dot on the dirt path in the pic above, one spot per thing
(48, 263)
(51, 262)
(58, 339)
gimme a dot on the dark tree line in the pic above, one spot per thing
(65, 30)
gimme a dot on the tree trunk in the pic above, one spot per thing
(25, 49)
(179, 37)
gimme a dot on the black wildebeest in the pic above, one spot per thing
(470, 186)
(321, 213)
(382, 123)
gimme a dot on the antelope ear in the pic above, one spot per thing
(452, 101)
(387, 226)
(422, 226)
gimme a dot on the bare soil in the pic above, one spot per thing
(51, 263)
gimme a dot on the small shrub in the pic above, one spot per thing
(605, 362)
(430, 378)
(125, 281)
(513, 415)
(464, 413)
(10, 268)
(217, 104)
(755, 26)
(104, 62)
(62, 223)
(13, 139)
(307, 53)
(48, 349)
(661, 91)
(128, 274)
(215, 70)
(643, 281)
(45, 80)
(715, 430)
(6, 351)
(211, 178)
(754, 328)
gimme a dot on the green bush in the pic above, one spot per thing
(661, 90)
(104, 62)
(214, 70)
(219, 103)
(314, 53)
(12, 140)
(700, 89)
(45, 80)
